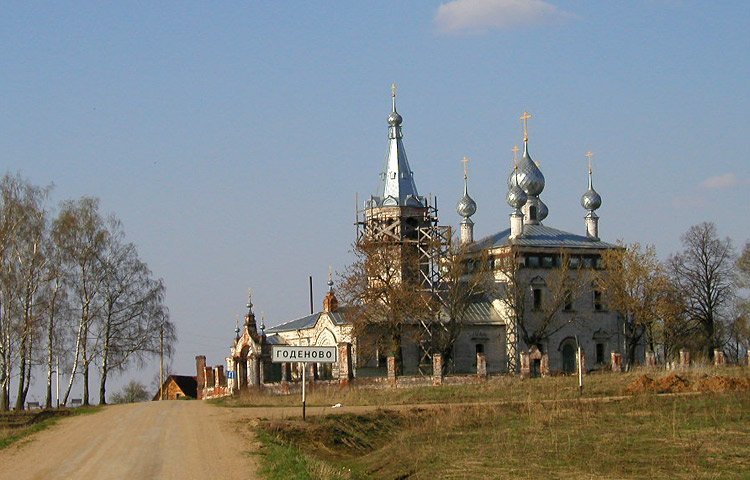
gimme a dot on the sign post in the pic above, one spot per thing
(304, 355)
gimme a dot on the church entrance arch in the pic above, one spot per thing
(568, 350)
(241, 366)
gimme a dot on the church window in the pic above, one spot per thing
(532, 212)
(480, 348)
(599, 353)
(599, 263)
(537, 298)
(533, 261)
(598, 301)
(568, 300)
(547, 262)
(588, 262)
(575, 262)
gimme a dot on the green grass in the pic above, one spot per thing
(15, 426)
(693, 436)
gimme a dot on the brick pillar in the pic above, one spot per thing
(481, 365)
(219, 380)
(719, 359)
(261, 369)
(525, 365)
(209, 376)
(545, 365)
(345, 363)
(616, 361)
(391, 369)
(582, 359)
(650, 360)
(684, 358)
(437, 369)
(200, 367)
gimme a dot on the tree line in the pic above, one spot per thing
(74, 295)
(692, 300)
(696, 299)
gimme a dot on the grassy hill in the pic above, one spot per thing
(622, 427)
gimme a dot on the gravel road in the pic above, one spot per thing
(151, 440)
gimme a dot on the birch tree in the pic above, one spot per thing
(23, 225)
(133, 317)
(80, 234)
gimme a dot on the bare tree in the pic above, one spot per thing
(704, 272)
(382, 288)
(466, 278)
(133, 314)
(739, 327)
(536, 316)
(23, 222)
(635, 285)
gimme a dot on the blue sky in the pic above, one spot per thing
(231, 137)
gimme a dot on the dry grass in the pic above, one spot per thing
(496, 389)
(643, 436)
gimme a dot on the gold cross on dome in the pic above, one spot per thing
(466, 165)
(525, 117)
(393, 90)
(515, 150)
(590, 157)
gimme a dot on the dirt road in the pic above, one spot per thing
(151, 440)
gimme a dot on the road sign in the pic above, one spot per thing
(230, 374)
(313, 354)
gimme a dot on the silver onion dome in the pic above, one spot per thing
(530, 178)
(516, 197)
(466, 207)
(541, 210)
(394, 119)
(591, 200)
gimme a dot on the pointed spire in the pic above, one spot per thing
(237, 328)
(249, 300)
(396, 187)
(466, 207)
(250, 316)
(525, 117)
(262, 324)
(330, 302)
(591, 200)
(529, 178)
(330, 279)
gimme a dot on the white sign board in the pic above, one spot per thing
(290, 353)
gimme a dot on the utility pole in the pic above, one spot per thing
(161, 360)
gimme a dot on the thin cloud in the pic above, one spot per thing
(480, 16)
(727, 180)
(688, 202)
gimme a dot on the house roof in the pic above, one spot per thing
(542, 236)
(309, 321)
(188, 385)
